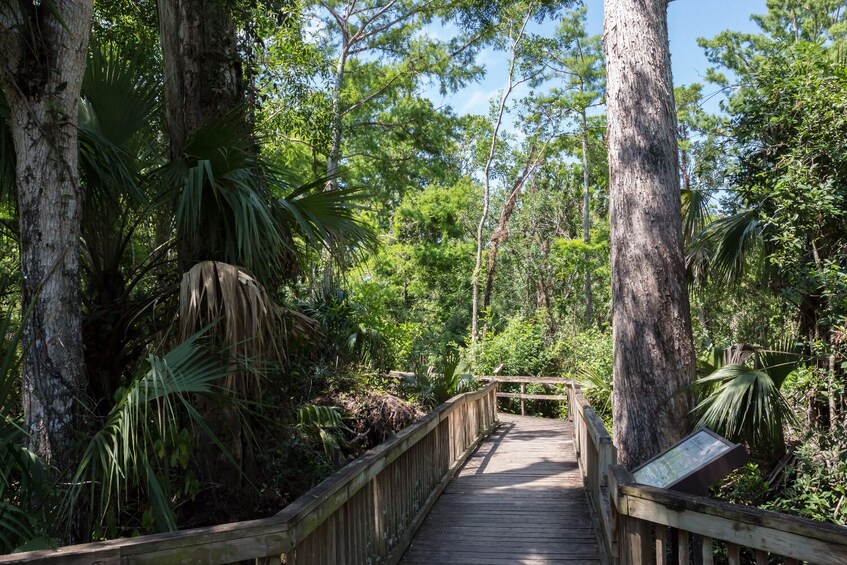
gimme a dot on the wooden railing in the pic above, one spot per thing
(523, 382)
(643, 525)
(366, 513)
(660, 526)
(595, 452)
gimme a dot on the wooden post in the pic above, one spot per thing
(661, 545)
(708, 551)
(637, 548)
(734, 554)
(523, 400)
(682, 547)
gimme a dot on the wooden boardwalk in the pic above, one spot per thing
(518, 499)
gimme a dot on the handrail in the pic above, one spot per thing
(366, 512)
(653, 524)
(641, 524)
(595, 452)
(523, 396)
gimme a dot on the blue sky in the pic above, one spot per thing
(687, 20)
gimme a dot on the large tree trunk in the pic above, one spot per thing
(203, 83)
(42, 76)
(653, 350)
(203, 75)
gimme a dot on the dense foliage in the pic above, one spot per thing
(245, 295)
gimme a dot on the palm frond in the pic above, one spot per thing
(323, 425)
(780, 359)
(432, 387)
(124, 89)
(223, 201)
(245, 209)
(730, 242)
(695, 212)
(744, 404)
(598, 386)
(121, 94)
(328, 218)
(127, 451)
(313, 416)
(14, 527)
(368, 344)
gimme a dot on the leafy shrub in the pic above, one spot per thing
(520, 347)
(816, 481)
(587, 357)
(744, 486)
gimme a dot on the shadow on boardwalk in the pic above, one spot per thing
(518, 499)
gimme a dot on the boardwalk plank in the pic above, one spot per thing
(518, 499)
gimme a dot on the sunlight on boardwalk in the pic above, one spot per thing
(518, 499)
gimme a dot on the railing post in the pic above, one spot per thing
(523, 400)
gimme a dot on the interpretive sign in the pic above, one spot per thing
(693, 463)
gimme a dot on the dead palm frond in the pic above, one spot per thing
(244, 318)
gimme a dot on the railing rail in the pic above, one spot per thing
(643, 525)
(367, 512)
(523, 381)
(661, 526)
(595, 452)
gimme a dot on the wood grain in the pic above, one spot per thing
(518, 499)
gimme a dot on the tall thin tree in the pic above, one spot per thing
(516, 36)
(653, 349)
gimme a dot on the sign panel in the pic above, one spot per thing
(692, 464)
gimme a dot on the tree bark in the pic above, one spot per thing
(203, 71)
(653, 349)
(203, 83)
(586, 220)
(43, 65)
